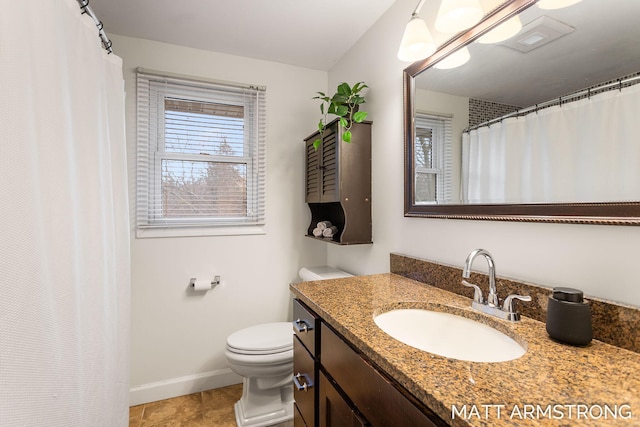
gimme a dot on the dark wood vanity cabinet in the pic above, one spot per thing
(348, 389)
(338, 182)
(306, 364)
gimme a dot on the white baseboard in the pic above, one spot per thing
(182, 386)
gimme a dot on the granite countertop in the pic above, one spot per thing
(551, 385)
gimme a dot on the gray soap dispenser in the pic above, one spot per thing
(569, 317)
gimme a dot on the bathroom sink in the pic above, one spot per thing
(449, 335)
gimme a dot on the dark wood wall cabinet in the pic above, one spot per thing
(348, 390)
(338, 183)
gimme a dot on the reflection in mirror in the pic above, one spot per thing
(432, 158)
(541, 126)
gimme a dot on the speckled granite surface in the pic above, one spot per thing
(612, 323)
(540, 388)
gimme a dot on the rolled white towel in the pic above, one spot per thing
(317, 232)
(324, 224)
(329, 232)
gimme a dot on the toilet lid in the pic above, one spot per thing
(267, 338)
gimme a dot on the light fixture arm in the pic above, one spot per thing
(418, 7)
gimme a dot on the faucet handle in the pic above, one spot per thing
(508, 305)
(477, 293)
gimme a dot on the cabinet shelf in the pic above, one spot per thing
(338, 183)
(335, 242)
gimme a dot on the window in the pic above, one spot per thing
(432, 154)
(201, 157)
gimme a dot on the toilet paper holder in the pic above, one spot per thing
(214, 282)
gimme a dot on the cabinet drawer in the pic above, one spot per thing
(305, 327)
(372, 393)
(305, 374)
(298, 421)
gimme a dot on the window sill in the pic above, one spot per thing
(199, 231)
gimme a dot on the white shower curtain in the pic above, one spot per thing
(582, 151)
(64, 233)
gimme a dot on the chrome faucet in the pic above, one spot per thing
(492, 298)
(492, 305)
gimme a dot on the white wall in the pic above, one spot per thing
(178, 338)
(600, 260)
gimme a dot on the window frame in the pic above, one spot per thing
(152, 91)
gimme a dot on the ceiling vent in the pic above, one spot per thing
(537, 33)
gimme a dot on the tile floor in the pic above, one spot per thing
(211, 408)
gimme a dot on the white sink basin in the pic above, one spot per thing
(449, 335)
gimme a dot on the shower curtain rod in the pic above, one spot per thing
(106, 43)
(618, 84)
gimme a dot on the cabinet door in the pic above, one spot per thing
(335, 411)
(312, 178)
(329, 179)
(321, 179)
(375, 396)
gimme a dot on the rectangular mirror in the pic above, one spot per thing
(539, 127)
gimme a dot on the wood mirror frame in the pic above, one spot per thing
(625, 213)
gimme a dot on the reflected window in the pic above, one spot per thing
(432, 159)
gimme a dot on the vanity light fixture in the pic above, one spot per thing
(456, 59)
(457, 15)
(417, 42)
(502, 32)
(556, 4)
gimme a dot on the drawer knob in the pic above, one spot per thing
(302, 386)
(301, 326)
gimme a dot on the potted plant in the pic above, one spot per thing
(345, 103)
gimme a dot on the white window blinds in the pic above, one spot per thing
(432, 157)
(201, 153)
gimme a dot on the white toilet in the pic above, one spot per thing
(263, 356)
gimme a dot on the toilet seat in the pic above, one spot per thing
(264, 339)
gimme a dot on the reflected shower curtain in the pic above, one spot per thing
(582, 151)
(64, 233)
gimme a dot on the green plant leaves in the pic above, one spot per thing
(341, 104)
(358, 87)
(344, 89)
(346, 137)
(360, 116)
(342, 110)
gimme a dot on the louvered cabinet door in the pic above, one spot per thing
(312, 177)
(329, 184)
(322, 168)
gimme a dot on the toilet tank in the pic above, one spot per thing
(323, 272)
